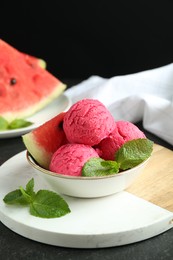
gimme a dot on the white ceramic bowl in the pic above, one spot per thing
(88, 187)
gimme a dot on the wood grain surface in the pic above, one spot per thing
(155, 184)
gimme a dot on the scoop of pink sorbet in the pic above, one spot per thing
(124, 131)
(88, 121)
(70, 158)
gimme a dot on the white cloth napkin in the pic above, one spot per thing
(146, 96)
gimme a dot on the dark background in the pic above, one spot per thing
(78, 39)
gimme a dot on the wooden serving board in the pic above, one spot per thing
(155, 184)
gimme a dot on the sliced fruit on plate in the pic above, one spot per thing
(25, 85)
(43, 141)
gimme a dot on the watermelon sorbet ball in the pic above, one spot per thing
(88, 121)
(70, 158)
(124, 131)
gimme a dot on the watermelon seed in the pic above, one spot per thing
(13, 81)
(60, 125)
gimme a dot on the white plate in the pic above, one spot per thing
(93, 223)
(62, 103)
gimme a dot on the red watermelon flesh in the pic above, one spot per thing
(43, 141)
(25, 86)
(33, 61)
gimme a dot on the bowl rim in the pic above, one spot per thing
(35, 165)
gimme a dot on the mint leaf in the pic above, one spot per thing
(99, 167)
(21, 196)
(133, 153)
(30, 188)
(44, 203)
(48, 204)
(15, 197)
(27, 197)
(19, 123)
(3, 124)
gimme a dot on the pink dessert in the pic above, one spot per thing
(124, 131)
(70, 158)
(88, 121)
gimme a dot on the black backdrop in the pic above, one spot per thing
(82, 38)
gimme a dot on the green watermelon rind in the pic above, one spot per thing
(42, 63)
(36, 151)
(37, 107)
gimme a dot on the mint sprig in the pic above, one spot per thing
(19, 123)
(48, 204)
(99, 167)
(128, 156)
(133, 153)
(15, 124)
(44, 203)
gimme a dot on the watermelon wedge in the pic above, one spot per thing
(43, 141)
(25, 85)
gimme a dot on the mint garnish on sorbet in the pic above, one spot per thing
(44, 203)
(99, 167)
(128, 156)
(133, 153)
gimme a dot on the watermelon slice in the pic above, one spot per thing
(43, 141)
(25, 86)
